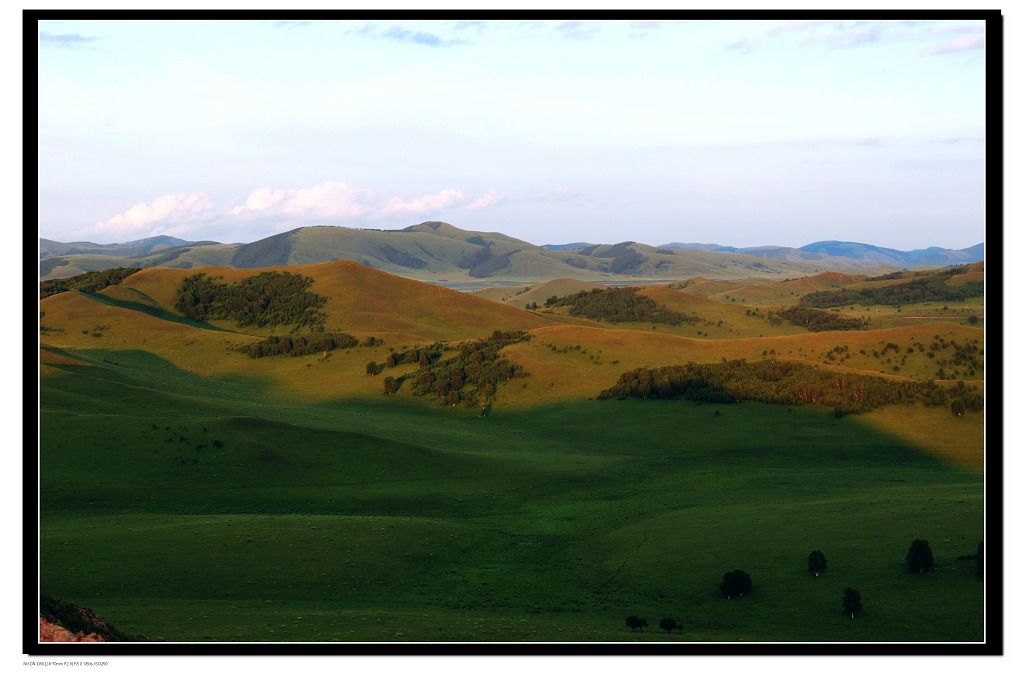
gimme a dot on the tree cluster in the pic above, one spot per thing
(626, 261)
(482, 262)
(619, 305)
(775, 382)
(931, 288)
(491, 264)
(966, 398)
(267, 298)
(469, 260)
(473, 372)
(738, 583)
(816, 320)
(401, 258)
(89, 282)
(300, 345)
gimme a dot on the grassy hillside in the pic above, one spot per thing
(363, 300)
(301, 502)
(385, 521)
(788, 291)
(538, 293)
(705, 287)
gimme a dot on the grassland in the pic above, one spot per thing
(190, 493)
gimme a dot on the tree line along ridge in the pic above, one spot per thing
(787, 383)
(934, 287)
(88, 283)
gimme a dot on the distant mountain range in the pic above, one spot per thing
(439, 252)
(861, 252)
(142, 247)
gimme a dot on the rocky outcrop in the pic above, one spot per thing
(50, 632)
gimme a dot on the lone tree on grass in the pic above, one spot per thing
(735, 583)
(634, 623)
(851, 601)
(669, 624)
(816, 562)
(390, 385)
(919, 557)
(371, 369)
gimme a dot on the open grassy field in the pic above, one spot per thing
(191, 493)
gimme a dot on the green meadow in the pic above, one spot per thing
(186, 508)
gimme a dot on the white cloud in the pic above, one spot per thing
(340, 202)
(847, 36)
(327, 200)
(963, 43)
(260, 200)
(165, 214)
(489, 198)
(424, 205)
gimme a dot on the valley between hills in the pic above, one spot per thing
(323, 451)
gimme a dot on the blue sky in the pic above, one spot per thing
(734, 132)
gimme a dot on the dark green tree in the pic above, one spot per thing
(635, 623)
(816, 562)
(424, 360)
(669, 624)
(736, 583)
(442, 388)
(390, 385)
(919, 557)
(851, 601)
(371, 369)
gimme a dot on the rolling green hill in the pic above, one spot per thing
(192, 493)
(432, 251)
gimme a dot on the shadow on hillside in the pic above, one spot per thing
(140, 369)
(154, 311)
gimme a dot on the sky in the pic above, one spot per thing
(742, 133)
